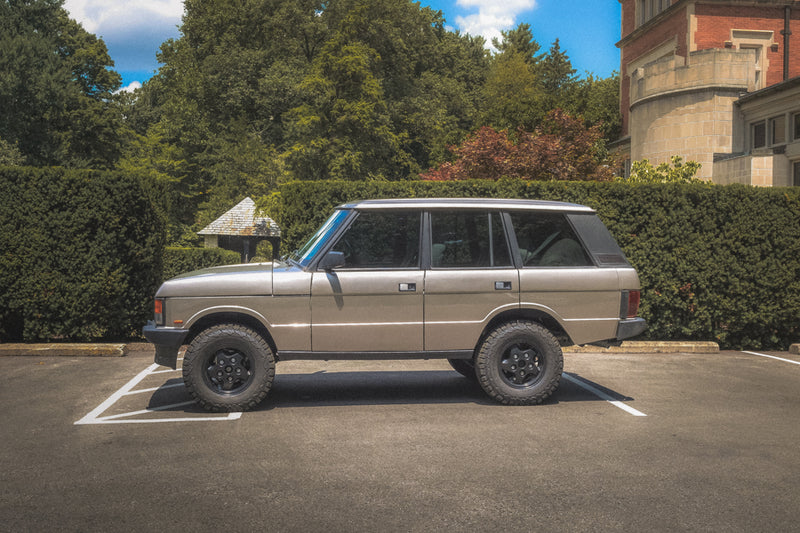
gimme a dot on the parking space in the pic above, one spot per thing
(407, 446)
(155, 395)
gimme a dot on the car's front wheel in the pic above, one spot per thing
(519, 363)
(228, 367)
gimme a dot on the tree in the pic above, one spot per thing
(519, 40)
(674, 172)
(56, 88)
(562, 148)
(10, 155)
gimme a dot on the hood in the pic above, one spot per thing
(254, 279)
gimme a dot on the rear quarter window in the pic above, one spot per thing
(599, 242)
(548, 240)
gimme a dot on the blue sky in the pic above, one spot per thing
(587, 29)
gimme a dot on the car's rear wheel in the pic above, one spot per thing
(228, 367)
(519, 363)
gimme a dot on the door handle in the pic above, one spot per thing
(502, 285)
(408, 287)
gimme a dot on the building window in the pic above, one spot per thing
(796, 174)
(796, 136)
(758, 132)
(777, 130)
(648, 9)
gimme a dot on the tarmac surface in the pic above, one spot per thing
(629, 442)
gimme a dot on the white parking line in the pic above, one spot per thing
(773, 357)
(95, 417)
(602, 395)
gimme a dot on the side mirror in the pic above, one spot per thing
(332, 260)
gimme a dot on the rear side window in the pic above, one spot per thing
(466, 239)
(601, 244)
(548, 240)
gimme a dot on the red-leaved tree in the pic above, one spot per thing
(562, 148)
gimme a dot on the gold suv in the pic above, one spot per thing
(494, 286)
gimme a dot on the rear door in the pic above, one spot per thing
(559, 277)
(471, 277)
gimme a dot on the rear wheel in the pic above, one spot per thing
(228, 367)
(519, 363)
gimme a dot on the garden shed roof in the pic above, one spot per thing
(242, 221)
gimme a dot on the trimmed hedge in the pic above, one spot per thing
(81, 254)
(181, 260)
(715, 262)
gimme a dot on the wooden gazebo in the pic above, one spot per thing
(240, 230)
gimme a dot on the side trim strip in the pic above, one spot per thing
(366, 356)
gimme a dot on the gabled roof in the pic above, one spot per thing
(242, 221)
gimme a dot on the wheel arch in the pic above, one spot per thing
(539, 316)
(231, 317)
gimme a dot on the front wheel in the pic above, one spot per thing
(228, 367)
(519, 363)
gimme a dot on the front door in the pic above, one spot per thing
(374, 303)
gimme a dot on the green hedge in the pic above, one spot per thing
(80, 257)
(716, 262)
(181, 260)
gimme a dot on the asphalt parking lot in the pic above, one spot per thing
(629, 442)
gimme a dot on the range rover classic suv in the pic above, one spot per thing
(496, 287)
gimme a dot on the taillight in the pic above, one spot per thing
(159, 312)
(633, 303)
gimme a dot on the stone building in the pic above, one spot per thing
(714, 81)
(240, 230)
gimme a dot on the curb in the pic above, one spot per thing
(66, 350)
(650, 347)
(121, 350)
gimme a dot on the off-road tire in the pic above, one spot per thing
(228, 367)
(519, 363)
(465, 367)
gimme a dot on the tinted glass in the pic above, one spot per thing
(547, 240)
(464, 239)
(382, 239)
(306, 254)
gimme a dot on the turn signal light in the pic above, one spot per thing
(159, 312)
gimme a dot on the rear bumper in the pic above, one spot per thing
(167, 342)
(630, 327)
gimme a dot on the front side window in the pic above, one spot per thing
(468, 239)
(382, 240)
(547, 240)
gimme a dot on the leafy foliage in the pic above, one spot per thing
(56, 88)
(675, 172)
(181, 260)
(562, 148)
(715, 263)
(81, 255)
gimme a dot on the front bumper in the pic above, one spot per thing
(630, 327)
(167, 342)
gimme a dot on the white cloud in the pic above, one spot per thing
(492, 16)
(130, 87)
(98, 15)
(133, 30)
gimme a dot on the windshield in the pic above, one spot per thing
(306, 253)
